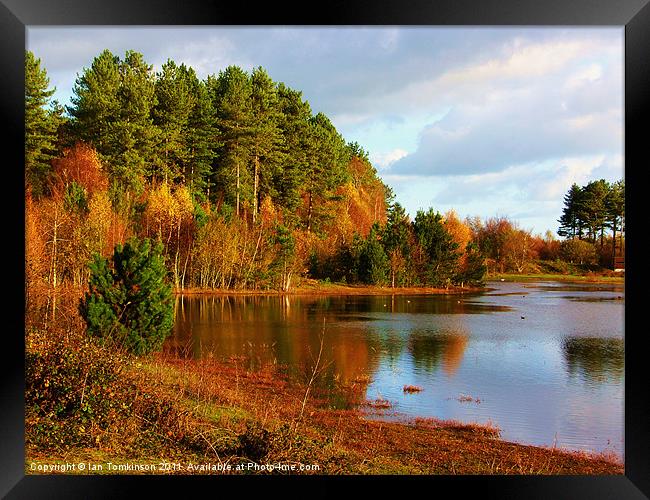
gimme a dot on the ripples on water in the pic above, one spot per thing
(545, 360)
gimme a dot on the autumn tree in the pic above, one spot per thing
(474, 268)
(578, 251)
(169, 217)
(518, 249)
(460, 234)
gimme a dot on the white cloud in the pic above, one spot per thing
(384, 160)
(529, 106)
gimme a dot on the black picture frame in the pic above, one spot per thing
(15, 15)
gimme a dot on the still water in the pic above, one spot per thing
(543, 361)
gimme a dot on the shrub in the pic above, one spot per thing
(130, 302)
(75, 394)
(578, 252)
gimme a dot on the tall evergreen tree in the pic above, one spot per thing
(95, 104)
(438, 245)
(267, 141)
(111, 109)
(230, 94)
(615, 207)
(175, 101)
(396, 241)
(294, 124)
(327, 158)
(570, 225)
(200, 140)
(593, 208)
(41, 124)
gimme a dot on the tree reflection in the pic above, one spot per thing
(595, 359)
(429, 350)
(280, 333)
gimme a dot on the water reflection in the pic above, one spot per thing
(546, 359)
(430, 350)
(595, 360)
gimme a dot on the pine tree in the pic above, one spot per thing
(594, 211)
(439, 247)
(95, 104)
(129, 302)
(230, 94)
(570, 225)
(267, 141)
(41, 124)
(200, 141)
(327, 157)
(174, 103)
(396, 239)
(373, 261)
(294, 124)
(111, 109)
(615, 207)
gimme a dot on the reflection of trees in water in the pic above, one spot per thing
(595, 359)
(429, 350)
(277, 332)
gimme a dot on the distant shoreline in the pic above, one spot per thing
(334, 289)
(313, 287)
(555, 277)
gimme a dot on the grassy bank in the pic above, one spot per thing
(316, 287)
(86, 404)
(584, 278)
(557, 270)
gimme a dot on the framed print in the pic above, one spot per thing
(373, 246)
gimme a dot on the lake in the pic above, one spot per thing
(543, 361)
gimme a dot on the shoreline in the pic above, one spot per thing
(569, 278)
(232, 415)
(313, 287)
(334, 289)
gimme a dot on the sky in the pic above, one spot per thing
(487, 121)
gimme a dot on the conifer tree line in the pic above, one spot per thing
(234, 174)
(593, 222)
(243, 185)
(592, 210)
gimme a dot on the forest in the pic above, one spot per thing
(247, 189)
